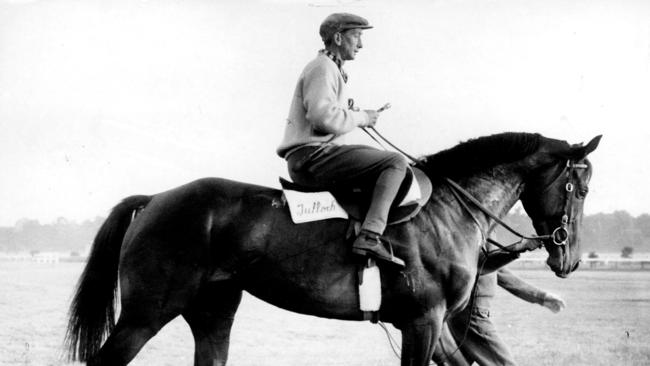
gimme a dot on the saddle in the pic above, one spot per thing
(414, 192)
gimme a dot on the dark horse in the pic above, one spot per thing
(192, 251)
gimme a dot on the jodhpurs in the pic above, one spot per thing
(339, 166)
(478, 339)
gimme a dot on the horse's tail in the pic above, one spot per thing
(92, 311)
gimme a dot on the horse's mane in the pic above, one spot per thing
(482, 153)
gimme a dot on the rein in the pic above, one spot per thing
(457, 190)
(559, 236)
(417, 162)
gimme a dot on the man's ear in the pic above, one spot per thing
(338, 39)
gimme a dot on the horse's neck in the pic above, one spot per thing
(497, 191)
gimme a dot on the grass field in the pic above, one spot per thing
(606, 323)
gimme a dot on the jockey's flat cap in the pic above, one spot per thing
(339, 22)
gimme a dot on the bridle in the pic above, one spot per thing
(559, 236)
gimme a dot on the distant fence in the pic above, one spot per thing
(611, 264)
(44, 257)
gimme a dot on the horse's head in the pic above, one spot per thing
(553, 197)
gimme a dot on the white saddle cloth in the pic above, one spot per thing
(314, 206)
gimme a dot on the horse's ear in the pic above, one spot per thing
(580, 152)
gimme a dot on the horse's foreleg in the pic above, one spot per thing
(419, 337)
(210, 317)
(447, 352)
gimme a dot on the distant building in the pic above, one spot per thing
(48, 257)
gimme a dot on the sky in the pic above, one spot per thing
(100, 100)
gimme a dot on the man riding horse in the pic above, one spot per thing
(319, 118)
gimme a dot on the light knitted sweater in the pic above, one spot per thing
(319, 108)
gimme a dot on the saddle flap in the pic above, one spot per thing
(413, 194)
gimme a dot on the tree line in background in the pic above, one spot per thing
(61, 236)
(610, 232)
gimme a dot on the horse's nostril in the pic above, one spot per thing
(575, 266)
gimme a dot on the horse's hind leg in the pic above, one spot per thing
(156, 286)
(210, 317)
(127, 338)
(419, 337)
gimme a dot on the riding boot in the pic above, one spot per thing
(370, 244)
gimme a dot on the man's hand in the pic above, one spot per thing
(372, 117)
(553, 302)
(527, 245)
(384, 107)
(532, 244)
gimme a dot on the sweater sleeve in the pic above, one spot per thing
(324, 112)
(518, 287)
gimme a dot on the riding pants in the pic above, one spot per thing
(478, 339)
(337, 166)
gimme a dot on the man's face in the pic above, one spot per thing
(350, 43)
